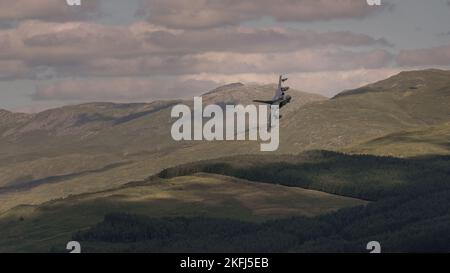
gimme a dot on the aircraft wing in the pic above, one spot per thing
(279, 93)
(265, 101)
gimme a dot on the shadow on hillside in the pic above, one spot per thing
(23, 185)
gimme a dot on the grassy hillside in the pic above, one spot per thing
(360, 176)
(39, 228)
(417, 223)
(408, 101)
(434, 140)
(413, 218)
(99, 146)
(215, 210)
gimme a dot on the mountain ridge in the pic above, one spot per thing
(68, 142)
(406, 80)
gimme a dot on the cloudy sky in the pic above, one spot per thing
(52, 54)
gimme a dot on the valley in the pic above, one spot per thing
(66, 171)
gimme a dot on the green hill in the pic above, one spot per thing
(160, 213)
(413, 218)
(406, 224)
(99, 146)
(433, 140)
(408, 101)
(38, 228)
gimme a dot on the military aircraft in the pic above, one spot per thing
(280, 98)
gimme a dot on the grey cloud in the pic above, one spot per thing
(308, 60)
(261, 40)
(197, 14)
(40, 43)
(125, 89)
(13, 69)
(88, 49)
(95, 40)
(47, 10)
(426, 56)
